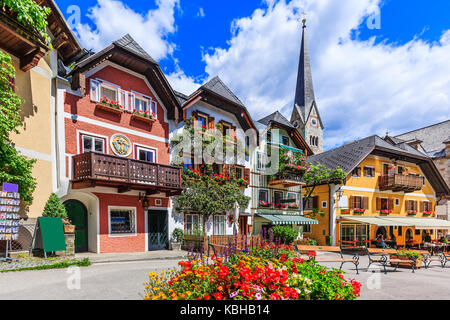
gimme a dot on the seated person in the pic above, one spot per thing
(380, 242)
(393, 240)
(427, 238)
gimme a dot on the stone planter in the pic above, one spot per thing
(176, 246)
(70, 243)
(69, 229)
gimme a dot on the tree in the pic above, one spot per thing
(208, 197)
(55, 208)
(318, 174)
(14, 168)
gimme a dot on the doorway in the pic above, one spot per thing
(158, 237)
(243, 225)
(77, 214)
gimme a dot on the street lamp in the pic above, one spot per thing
(145, 202)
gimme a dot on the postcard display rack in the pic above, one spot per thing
(9, 220)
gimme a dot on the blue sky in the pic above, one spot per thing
(253, 46)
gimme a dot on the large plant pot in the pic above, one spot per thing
(406, 264)
(175, 246)
(69, 229)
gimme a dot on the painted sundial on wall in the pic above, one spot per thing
(121, 145)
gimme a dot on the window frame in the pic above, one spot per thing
(200, 222)
(138, 148)
(93, 137)
(134, 220)
(371, 169)
(215, 223)
(106, 85)
(259, 193)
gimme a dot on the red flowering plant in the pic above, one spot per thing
(359, 211)
(412, 212)
(385, 212)
(145, 114)
(280, 206)
(293, 206)
(194, 174)
(243, 182)
(111, 103)
(265, 272)
(427, 213)
(221, 178)
(265, 204)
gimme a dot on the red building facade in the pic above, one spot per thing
(117, 117)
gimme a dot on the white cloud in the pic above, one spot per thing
(362, 88)
(201, 12)
(113, 19)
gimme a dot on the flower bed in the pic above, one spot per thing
(263, 273)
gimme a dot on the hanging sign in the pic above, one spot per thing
(121, 145)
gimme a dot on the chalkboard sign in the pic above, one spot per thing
(49, 235)
(9, 216)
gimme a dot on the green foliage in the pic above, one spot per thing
(413, 255)
(85, 262)
(14, 168)
(30, 14)
(311, 242)
(208, 197)
(54, 208)
(178, 235)
(286, 233)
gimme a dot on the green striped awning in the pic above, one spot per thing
(287, 219)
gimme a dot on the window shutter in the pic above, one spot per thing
(415, 205)
(95, 90)
(247, 174)
(123, 101)
(195, 115)
(422, 206)
(130, 105)
(365, 203)
(378, 203)
(211, 123)
(390, 204)
(315, 202)
(351, 204)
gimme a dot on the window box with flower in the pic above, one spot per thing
(110, 106)
(265, 204)
(359, 211)
(412, 212)
(280, 206)
(193, 174)
(243, 183)
(385, 212)
(345, 211)
(293, 206)
(220, 178)
(427, 213)
(145, 116)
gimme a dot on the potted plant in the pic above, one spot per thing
(408, 255)
(177, 239)
(412, 212)
(385, 212)
(68, 227)
(427, 213)
(243, 182)
(359, 211)
(231, 219)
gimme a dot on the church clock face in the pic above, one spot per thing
(314, 122)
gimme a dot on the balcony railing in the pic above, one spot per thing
(287, 178)
(399, 182)
(127, 174)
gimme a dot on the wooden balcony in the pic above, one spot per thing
(96, 169)
(287, 179)
(399, 183)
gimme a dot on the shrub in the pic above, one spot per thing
(54, 208)
(285, 233)
(178, 235)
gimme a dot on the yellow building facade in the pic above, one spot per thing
(388, 190)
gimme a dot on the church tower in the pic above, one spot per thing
(305, 116)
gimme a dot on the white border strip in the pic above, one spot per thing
(34, 154)
(389, 192)
(114, 127)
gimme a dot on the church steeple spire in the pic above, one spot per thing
(304, 93)
(305, 116)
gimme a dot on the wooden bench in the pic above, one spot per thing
(384, 260)
(342, 260)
